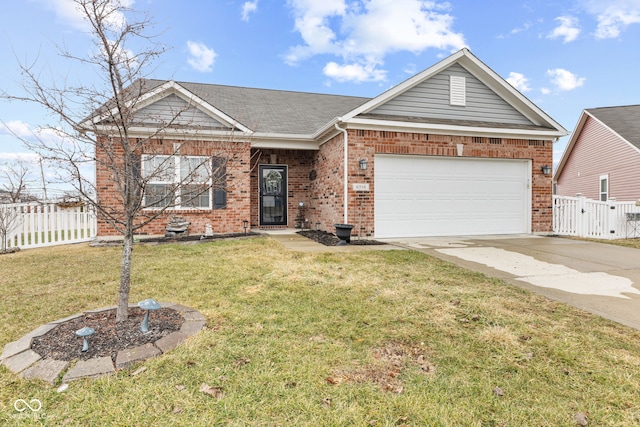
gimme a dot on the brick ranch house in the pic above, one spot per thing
(454, 150)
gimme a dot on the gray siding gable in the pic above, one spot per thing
(176, 111)
(430, 100)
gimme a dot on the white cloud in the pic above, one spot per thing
(354, 72)
(568, 30)
(524, 27)
(19, 157)
(248, 8)
(613, 16)
(201, 57)
(363, 33)
(519, 81)
(16, 128)
(24, 132)
(565, 80)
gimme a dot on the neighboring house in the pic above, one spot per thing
(602, 158)
(454, 150)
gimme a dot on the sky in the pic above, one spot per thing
(564, 55)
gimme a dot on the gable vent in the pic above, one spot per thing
(457, 90)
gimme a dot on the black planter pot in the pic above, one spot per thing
(343, 231)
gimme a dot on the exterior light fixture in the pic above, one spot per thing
(245, 225)
(546, 170)
(363, 164)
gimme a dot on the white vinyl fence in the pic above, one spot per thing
(31, 225)
(582, 217)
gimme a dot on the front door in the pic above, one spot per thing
(273, 195)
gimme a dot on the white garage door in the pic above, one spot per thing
(419, 196)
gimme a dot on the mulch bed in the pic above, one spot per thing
(9, 251)
(330, 239)
(62, 343)
(189, 238)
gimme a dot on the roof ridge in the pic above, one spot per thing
(612, 106)
(182, 83)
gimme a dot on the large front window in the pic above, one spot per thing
(180, 182)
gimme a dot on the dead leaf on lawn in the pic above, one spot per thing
(139, 370)
(180, 387)
(215, 392)
(241, 362)
(334, 380)
(498, 391)
(581, 419)
(176, 410)
(390, 361)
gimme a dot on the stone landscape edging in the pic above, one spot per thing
(19, 358)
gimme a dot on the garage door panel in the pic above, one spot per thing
(437, 196)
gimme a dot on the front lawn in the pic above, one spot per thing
(375, 338)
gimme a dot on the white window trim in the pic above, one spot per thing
(600, 192)
(176, 180)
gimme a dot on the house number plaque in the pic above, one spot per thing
(361, 187)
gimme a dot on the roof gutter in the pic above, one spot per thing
(345, 140)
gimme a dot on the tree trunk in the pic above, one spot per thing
(122, 313)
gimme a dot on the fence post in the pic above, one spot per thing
(612, 219)
(581, 216)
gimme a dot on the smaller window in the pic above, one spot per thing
(604, 188)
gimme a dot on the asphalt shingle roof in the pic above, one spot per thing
(272, 111)
(624, 120)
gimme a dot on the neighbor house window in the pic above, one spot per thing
(604, 188)
(184, 182)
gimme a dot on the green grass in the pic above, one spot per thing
(332, 339)
(630, 243)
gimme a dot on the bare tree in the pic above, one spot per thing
(97, 125)
(9, 219)
(15, 182)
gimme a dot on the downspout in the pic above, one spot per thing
(346, 169)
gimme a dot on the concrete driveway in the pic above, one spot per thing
(600, 278)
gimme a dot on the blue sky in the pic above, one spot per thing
(564, 55)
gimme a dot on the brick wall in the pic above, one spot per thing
(227, 220)
(364, 144)
(316, 178)
(327, 189)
